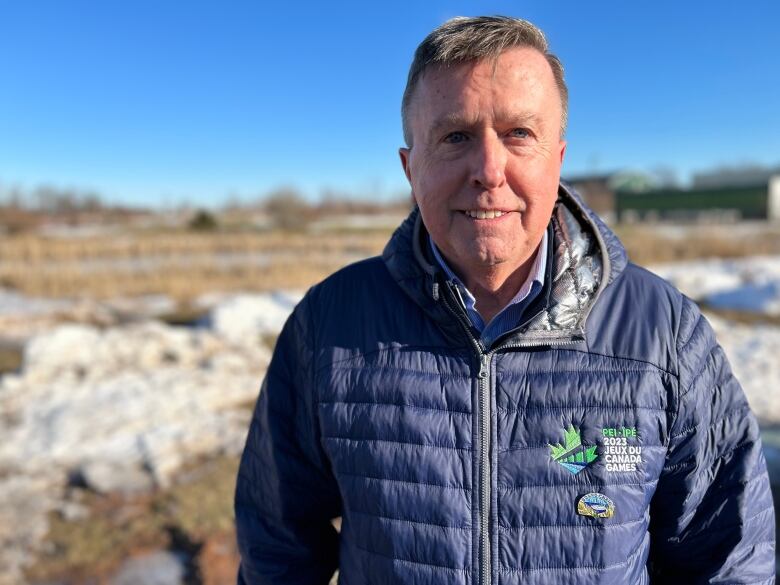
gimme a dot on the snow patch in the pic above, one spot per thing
(124, 407)
(746, 284)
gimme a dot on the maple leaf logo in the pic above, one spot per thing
(573, 455)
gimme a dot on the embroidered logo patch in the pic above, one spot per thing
(573, 455)
(595, 505)
(621, 450)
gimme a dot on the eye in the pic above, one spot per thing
(520, 133)
(455, 138)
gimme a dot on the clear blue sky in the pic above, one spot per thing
(155, 102)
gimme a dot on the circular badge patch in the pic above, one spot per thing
(595, 505)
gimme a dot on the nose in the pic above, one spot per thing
(489, 163)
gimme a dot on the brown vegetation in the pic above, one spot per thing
(651, 244)
(184, 264)
(180, 264)
(195, 517)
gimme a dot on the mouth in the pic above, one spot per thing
(484, 214)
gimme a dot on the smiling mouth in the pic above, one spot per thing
(484, 213)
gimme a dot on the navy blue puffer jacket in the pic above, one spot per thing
(604, 440)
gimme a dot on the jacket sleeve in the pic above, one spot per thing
(285, 494)
(711, 517)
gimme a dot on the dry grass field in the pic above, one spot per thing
(180, 264)
(652, 244)
(185, 264)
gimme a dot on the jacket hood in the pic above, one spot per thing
(587, 257)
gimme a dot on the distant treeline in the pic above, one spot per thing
(50, 199)
(24, 211)
(27, 210)
(288, 209)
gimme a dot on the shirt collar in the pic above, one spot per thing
(536, 274)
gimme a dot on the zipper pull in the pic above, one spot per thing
(456, 291)
(483, 367)
(435, 291)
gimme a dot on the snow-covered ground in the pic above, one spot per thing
(124, 407)
(22, 317)
(744, 284)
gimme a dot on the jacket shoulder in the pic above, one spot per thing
(643, 317)
(354, 303)
(683, 311)
(353, 283)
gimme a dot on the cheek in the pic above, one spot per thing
(433, 172)
(539, 217)
(540, 194)
(539, 182)
(435, 189)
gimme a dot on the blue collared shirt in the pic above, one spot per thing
(508, 317)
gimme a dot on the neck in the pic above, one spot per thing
(494, 286)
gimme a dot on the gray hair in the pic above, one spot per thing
(463, 39)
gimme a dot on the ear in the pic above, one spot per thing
(405, 154)
(562, 147)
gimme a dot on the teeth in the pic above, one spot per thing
(482, 214)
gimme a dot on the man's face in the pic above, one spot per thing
(486, 141)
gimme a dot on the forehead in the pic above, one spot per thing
(519, 79)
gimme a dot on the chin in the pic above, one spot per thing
(489, 258)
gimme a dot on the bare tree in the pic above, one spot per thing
(288, 210)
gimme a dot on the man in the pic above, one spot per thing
(501, 397)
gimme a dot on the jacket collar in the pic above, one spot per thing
(587, 257)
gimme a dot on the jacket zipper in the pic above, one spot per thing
(484, 356)
(483, 377)
(485, 435)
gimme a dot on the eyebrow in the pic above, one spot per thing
(459, 121)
